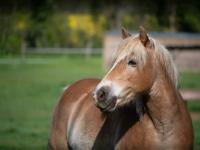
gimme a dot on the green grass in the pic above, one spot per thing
(194, 106)
(190, 80)
(29, 91)
(196, 125)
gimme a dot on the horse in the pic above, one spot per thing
(136, 105)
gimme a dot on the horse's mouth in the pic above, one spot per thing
(107, 107)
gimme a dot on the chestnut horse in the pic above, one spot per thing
(138, 105)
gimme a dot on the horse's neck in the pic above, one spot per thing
(163, 104)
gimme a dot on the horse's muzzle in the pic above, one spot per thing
(105, 100)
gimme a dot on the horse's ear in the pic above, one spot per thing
(125, 33)
(143, 36)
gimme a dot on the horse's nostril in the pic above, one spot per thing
(101, 94)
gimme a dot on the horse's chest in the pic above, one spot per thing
(88, 132)
(80, 138)
(79, 141)
(87, 135)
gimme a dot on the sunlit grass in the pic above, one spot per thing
(30, 89)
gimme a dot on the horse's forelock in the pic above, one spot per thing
(131, 46)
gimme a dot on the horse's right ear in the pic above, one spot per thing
(125, 33)
(143, 36)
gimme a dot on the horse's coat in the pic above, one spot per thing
(140, 106)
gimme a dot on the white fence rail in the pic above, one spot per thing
(85, 51)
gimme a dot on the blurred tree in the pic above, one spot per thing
(188, 16)
(64, 23)
(40, 11)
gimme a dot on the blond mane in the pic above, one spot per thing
(166, 60)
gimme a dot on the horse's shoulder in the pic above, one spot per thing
(74, 95)
(82, 85)
(77, 89)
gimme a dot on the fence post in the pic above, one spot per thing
(88, 49)
(23, 50)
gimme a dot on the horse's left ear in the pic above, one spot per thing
(143, 36)
(125, 33)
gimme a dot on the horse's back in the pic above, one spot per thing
(67, 109)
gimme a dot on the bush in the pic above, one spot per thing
(12, 30)
(74, 30)
(189, 22)
(58, 30)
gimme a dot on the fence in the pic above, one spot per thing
(84, 51)
(184, 47)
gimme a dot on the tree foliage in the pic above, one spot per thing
(66, 23)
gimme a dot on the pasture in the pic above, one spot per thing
(29, 90)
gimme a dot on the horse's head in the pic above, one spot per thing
(133, 73)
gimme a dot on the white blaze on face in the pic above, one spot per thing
(115, 89)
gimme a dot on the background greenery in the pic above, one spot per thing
(29, 91)
(66, 23)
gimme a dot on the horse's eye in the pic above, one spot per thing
(132, 63)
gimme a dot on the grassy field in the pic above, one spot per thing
(29, 91)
